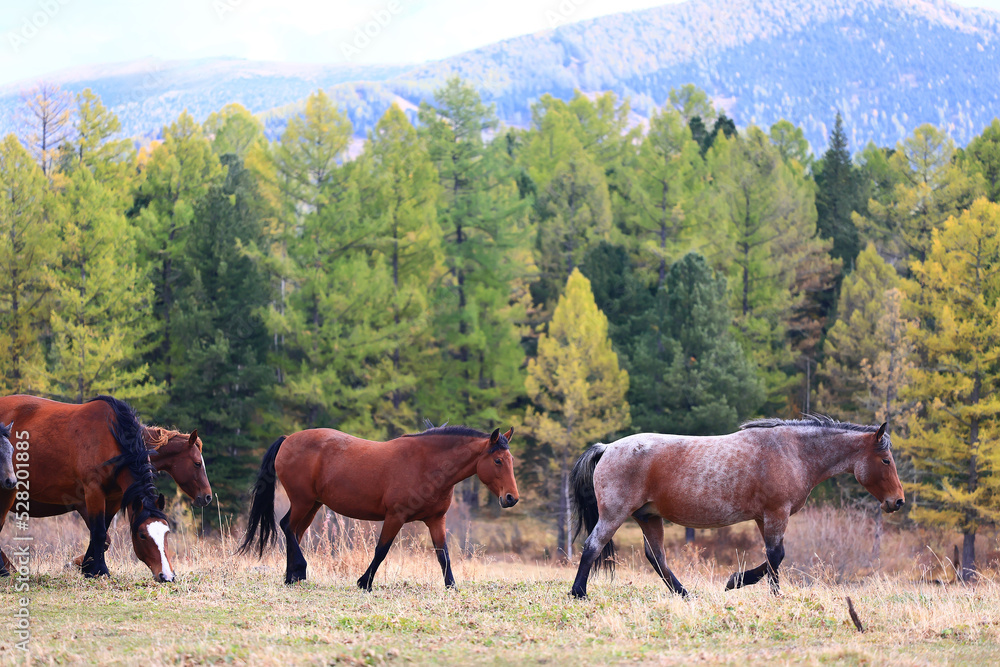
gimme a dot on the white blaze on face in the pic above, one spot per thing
(158, 531)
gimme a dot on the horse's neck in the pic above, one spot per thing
(456, 457)
(164, 456)
(832, 453)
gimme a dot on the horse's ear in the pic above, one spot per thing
(494, 436)
(193, 438)
(161, 502)
(509, 434)
(880, 432)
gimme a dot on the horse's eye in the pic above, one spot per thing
(498, 461)
(197, 464)
(885, 461)
(142, 536)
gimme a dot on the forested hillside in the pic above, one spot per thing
(887, 65)
(579, 279)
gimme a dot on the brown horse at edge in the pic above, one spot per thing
(410, 478)
(90, 458)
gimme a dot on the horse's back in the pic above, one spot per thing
(68, 442)
(344, 472)
(699, 481)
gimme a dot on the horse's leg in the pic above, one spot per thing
(437, 528)
(652, 532)
(599, 537)
(390, 528)
(6, 567)
(108, 519)
(294, 525)
(772, 529)
(93, 561)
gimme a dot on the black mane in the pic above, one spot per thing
(821, 421)
(460, 431)
(127, 431)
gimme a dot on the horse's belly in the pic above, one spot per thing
(714, 509)
(705, 517)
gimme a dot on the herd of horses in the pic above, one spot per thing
(97, 459)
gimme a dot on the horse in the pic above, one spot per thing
(174, 453)
(8, 480)
(90, 458)
(764, 472)
(180, 455)
(409, 478)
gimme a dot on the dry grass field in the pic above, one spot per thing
(509, 609)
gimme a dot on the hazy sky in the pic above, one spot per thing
(40, 36)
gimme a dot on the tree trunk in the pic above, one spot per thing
(565, 529)
(969, 555)
(877, 541)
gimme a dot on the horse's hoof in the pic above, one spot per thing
(731, 584)
(365, 586)
(294, 578)
(578, 594)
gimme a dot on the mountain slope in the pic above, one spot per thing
(887, 65)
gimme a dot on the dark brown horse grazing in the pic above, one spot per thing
(765, 471)
(8, 480)
(90, 458)
(410, 478)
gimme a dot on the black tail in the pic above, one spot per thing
(262, 507)
(581, 482)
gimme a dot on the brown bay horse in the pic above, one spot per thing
(410, 478)
(173, 453)
(764, 472)
(90, 458)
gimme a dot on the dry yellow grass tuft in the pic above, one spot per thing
(508, 609)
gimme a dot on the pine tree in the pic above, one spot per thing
(179, 174)
(866, 354)
(100, 317)
(220, 342)
(953, 441)
(929, 187)
(93, 145)
(666, 195)
(689, 375)
(838, 196)
(399, 195)
(481, 217)
(576, 387)
(982, 157)
(574, 215)
(692, 102)
(791, 143)
(47, 118)
(26, 257)
(779, 271)
(234, 130)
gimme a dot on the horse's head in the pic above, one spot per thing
(149, 539)
(496, 468)
(180, 456)
(7, 479)
(876, 470)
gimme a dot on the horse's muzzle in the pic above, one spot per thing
(163, 578)
(891, 506)
(203, 501)
(508, 501)
(9, 483)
